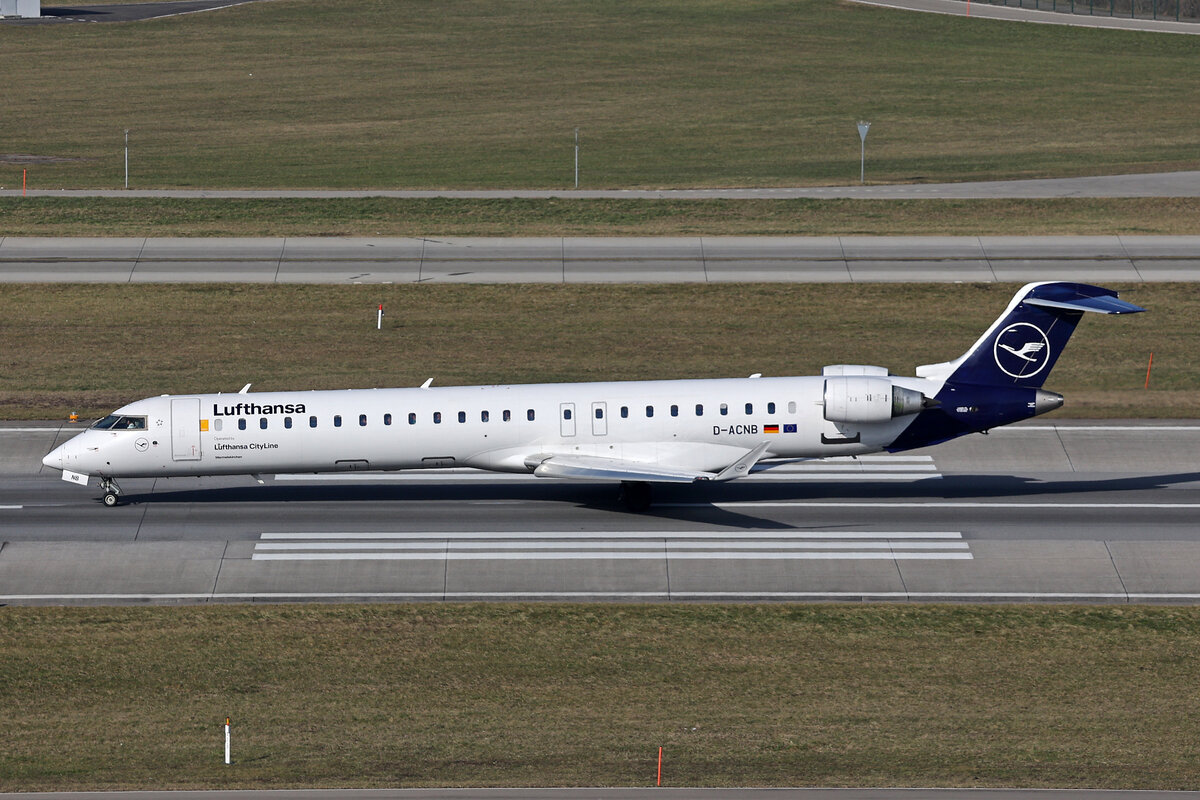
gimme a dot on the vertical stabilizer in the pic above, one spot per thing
(1021, 346)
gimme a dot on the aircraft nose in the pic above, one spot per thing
(54, 459)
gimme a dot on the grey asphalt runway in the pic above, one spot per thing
(658, 793)
(1099, 512)
(600, 260)
(1157, 184)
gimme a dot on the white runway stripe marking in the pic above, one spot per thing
(578, 535)
(600, 555)
(600, 545)
(1069, 507)
(534, 545)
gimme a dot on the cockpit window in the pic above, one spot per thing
(121, 422)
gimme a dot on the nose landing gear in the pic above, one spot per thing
(112, 492)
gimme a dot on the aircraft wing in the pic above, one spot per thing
(615, 469)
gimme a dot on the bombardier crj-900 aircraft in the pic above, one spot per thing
(636, 433)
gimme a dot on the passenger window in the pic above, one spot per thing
(262, 423)
(674, 411)
(337, 420)
(599, 413)
(437, 418)
(412, 418)
(462, 416)
(724, 410)
(749, 409)
(649, 411)
(566, 413)
(791, 406)
(217, 424)
(529, 415)
(507, 415)
(312, 422)
(770, 408)
(242, 424)
(484, 416)
(699, 409)
(362, 420)
(287, 422)
(387, 419)
(624, 412)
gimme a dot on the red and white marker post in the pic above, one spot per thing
(227, 760)
(379, 319)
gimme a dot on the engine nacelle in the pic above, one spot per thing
(868, 399)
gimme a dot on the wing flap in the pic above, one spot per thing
(614, 469)
(579, 467)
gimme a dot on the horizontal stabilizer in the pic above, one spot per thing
(1104, 304)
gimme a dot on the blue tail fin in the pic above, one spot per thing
(1020, 347)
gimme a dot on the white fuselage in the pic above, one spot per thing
(692, 424)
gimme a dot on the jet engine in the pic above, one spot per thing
(865, 399)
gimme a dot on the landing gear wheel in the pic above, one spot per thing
(112, 492)
(636, 495)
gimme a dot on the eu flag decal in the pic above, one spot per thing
(770, 429)
(789, 428)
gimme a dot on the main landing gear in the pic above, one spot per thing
(112, 492)
(636, 495)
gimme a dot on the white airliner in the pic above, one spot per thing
(633, 432)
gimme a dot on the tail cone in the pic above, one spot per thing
(1046, 401)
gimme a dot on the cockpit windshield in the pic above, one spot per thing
(121, 422)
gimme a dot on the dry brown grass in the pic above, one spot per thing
(91, 348)
(578, 695)
(52, 216)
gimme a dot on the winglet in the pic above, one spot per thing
(427, 383)
(743, 465)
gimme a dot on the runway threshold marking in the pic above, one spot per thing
(623, 546)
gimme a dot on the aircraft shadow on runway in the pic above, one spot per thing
(701, 503)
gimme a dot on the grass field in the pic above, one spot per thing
(458, 93)
(557, 217)
(579, 695)
(92, 348)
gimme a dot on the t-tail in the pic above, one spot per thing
(999, 379)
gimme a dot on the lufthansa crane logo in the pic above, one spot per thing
(1021, 350)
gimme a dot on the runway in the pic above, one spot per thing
(1072, 511)
(1094, 259)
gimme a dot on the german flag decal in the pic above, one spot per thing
(770, 429)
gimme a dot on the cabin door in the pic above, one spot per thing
(566, 418)
(185, 428)
(599, 419)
